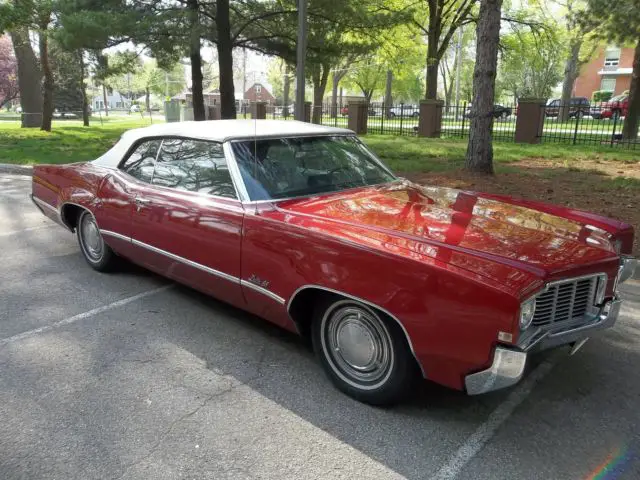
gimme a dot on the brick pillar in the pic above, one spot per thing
(259, 110)
(213, 112)
(529, 120)
(430, 121)
(358, 117)
(307, 112)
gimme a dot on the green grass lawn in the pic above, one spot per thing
(426, 154)
(69, 141)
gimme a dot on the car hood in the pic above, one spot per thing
(499, 239)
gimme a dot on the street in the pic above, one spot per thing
(130, 376)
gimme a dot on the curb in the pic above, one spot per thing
(16, 169)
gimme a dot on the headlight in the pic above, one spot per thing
(627, 268)
(527, 309)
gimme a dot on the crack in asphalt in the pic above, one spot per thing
(193, 412)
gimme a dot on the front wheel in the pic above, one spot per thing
(364, 355)
(97, 253)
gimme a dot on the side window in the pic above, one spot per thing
(194, 165)
(140, 162)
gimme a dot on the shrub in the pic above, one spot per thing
(601, 96)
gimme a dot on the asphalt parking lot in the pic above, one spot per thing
(129, 376)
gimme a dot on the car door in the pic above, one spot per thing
(190, 218)
(117, 193)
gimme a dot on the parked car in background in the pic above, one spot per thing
(499, 111)
(279, 110)
(135, 108)
(578, 107)
(405, 111)
(344, 111)
(616, 108)
(304, 226)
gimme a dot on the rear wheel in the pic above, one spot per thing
(364, 355)
(97, 253)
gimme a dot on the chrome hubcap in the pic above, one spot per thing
(91, 238)
(357, 345)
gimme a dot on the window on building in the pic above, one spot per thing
(608, 84)
(612, 56)
(258, 89)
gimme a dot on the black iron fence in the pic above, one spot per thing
(456, 121)
(583, 124)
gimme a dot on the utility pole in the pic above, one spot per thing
(300, 57)
(458, 63)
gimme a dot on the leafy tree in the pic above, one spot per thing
(338, 32)
(619, 21)
(368, 77)
(480, 149)
(8, 72)
(35, 15)
(68, 74)
(581, 46)
(531, 64)
(276, 71)
(29, 78)
(438, 22)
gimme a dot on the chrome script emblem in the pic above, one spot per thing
(258, 281)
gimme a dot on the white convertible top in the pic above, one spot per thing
(218, 131)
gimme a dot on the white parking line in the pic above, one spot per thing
(39, 227)
(82, 316)
(484, 433)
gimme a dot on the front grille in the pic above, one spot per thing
(565, 300)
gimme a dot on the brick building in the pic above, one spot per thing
(259, 93)
(610, 69)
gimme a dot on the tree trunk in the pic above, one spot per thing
(319, 86)
(29, 77)
(285, 93)
(388, 95)
(147, 99)
(225, 60)
(570, 75)
(105, 100)
(480, 148)
(432, 78)
(337, 77)
(432, 54)
(47, 86)
(334, 95)
(83, 90)
(197, 97)
(630, 129)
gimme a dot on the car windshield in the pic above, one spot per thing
(291, 167)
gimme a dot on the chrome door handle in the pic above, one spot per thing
(141, 202)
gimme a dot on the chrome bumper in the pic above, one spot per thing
(509, 363)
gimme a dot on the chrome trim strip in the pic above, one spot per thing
(44, 204)
(199, 266)
(115, 235)
(358, 299)
(185, 261)
(264, 291)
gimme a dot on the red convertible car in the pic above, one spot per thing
(304, 226)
